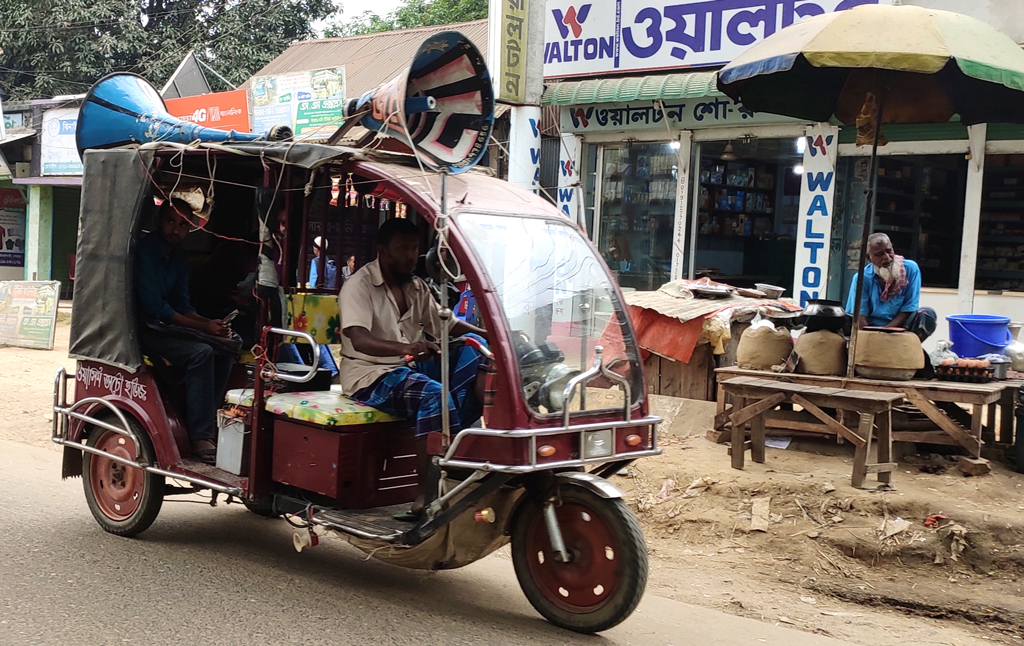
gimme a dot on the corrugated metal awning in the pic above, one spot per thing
(632, 88)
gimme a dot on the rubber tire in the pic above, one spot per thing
(631, 547)
(152, 493)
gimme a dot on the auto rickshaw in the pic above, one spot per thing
(565, 404)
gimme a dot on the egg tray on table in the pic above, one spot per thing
(961, 373)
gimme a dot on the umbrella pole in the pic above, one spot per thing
(869, 212)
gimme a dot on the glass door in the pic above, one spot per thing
(638, 206)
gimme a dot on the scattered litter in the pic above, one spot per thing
(933, 520)
(810, 600)
(890, 528)
(957, 535)
(829, 613)
(786, 620)
(667, 487)
(778, 442)
(828, 487)
(759, 514)
(698, 486)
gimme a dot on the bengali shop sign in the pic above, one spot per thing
(604, 36)
(311, 102)
(28, 313)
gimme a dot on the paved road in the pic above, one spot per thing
(224, 576)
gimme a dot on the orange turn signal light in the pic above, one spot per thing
(633, 440)
(546, 451)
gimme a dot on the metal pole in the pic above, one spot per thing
(445, 314)
(869, 211)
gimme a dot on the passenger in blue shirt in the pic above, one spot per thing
(162, 289)
(330, 279)
(892, 291)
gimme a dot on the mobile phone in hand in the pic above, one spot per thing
(230, 317)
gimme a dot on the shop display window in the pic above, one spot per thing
(639, 183)
(747, 200)
(920, 205)
(1001, 235)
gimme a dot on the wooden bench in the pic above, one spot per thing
(939, 401)
(755, 397)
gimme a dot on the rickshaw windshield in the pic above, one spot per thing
(560, 303)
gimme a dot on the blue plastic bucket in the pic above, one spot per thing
(974, 335)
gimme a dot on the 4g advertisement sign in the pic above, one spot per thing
(221, 110)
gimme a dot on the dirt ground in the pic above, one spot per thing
(824, 565)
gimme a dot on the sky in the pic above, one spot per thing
(353, 8)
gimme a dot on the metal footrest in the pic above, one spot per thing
(354, 526)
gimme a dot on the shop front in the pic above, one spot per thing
(690, 184)
(952, 199)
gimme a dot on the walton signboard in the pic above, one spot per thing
(608, 36)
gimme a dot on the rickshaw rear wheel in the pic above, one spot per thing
(605, 578)
(124, 500)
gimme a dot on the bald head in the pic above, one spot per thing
(880, 251)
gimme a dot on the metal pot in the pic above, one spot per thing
(823, 314)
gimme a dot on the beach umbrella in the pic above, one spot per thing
(877, 64)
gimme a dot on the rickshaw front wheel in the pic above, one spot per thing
(606, 574)
(124, 500)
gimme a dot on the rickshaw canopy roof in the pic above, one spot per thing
(117, 181)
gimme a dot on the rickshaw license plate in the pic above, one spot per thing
(598, 444)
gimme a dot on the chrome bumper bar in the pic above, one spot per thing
(450, 461)
(63, 413)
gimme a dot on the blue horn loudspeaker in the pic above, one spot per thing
(442, 105)
(123, 109)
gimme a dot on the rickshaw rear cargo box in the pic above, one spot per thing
(363, 466)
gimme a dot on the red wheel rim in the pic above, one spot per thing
(117, 488)
(592, 575)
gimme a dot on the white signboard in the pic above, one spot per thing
(694, 114)
(817, 200)
(58, 151)
(601, 36)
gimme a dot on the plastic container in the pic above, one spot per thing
(974, 335)
(232, 445)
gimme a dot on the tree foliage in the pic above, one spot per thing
(412, 13)
(53, 47)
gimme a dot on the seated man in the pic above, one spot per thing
(162, 290)
(892, 289)
(386, 313)
(329, 279)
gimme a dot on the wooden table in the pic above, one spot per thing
(937, 400)
(756, 397)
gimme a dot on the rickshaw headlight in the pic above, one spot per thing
(598, 444)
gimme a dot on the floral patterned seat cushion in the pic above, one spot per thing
(325, 408)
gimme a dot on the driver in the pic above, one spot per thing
(162, 289)
(386, 315)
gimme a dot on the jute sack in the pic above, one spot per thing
(762, 347)
(821, 353)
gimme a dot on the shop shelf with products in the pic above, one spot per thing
(1001, 237)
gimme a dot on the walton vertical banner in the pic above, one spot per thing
(817, 200)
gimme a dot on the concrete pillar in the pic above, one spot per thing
(978, 136)
(39, 233)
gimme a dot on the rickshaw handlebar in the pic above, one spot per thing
(270, 373)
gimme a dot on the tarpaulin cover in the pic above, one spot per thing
(103, 326)
(671, 325)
